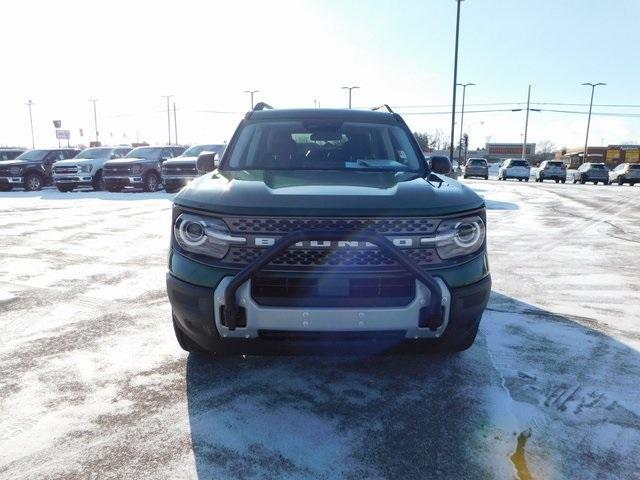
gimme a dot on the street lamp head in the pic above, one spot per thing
(593, 84)
(349, 88)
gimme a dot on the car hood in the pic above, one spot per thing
(129, 161)
(338, 193)
(18, 163)
(182, 161)
(76, 161)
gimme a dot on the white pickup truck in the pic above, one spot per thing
(85, 169)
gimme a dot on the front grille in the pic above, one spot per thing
(179, 170)
(65, 169)
(355, 258)
(113, 170)
(386, 226)
(333, 291)
(5, 172)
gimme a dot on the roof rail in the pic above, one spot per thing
(262, 106)
(384, 105)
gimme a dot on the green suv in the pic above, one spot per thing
(326, 230)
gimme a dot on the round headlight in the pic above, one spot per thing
(467, 234)
(192, 232)
(458, 237)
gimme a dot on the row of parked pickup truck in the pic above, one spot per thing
(102, 168)
(556, 171)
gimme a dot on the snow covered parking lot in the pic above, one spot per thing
(93, 384)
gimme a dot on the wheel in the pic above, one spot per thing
(557, 181)
(564, 180)
(631, 184)
(33, 182)
(620, 180)
(595, 183)
(464, 176)
(520, 179)
(114, 189)
(64, 189)
(486, 177)
(98, 182)
(151, 182)
(449, 344)
(526, 179)
(583, 180)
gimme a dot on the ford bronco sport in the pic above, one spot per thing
(326, 229)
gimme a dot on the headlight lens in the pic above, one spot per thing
(85, 168)
(460, 236)
(136, 169)
(201, 235)
(15, 171)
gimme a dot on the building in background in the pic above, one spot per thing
(611, 155)
(496, 152)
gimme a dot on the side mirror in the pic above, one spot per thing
(207, 162)
(441, 165)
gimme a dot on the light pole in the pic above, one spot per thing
(175, 123)
(95, 116)
(586, 139)
(251, 92)
(350, 90)
(455, 81)
(168, 116)
(33, 143)
(464, 92)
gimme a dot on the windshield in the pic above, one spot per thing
(95, 153)
(198, 149)
(323, 145)
(33, 155)
(554, 164)
(519, 163)
(148, 153)
(597, 166)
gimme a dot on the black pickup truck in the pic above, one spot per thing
(32, 169)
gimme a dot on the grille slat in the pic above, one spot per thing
(386, 226)
(362, 258)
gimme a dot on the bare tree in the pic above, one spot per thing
(546, 146)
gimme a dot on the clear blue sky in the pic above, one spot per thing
(398, 52)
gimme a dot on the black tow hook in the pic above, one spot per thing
(231, 312)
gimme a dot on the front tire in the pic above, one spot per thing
(151, 182)
(33, 182)
(583, 180)
(620, 180)
(98, 182)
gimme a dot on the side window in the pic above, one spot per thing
(122, 151)
(178, 151)
(53, 157)
(166, 153)
(68, 154)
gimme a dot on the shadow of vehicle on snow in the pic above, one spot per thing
(425, 416)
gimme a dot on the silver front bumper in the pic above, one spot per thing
(12, 180)
(323, 319)
(71, 178)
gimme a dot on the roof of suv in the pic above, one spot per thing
(320, 113)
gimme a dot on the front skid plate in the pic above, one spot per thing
(323, 319)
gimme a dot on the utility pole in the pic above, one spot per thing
(168, 116)
(33, 143)
(464, 92)
(175, 123)
(455, 81)
(95, 116)
(251, 92)
(526, 122)
(350, 90)
(586, 139)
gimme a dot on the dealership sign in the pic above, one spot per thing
(63, 134)
(508, 149)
